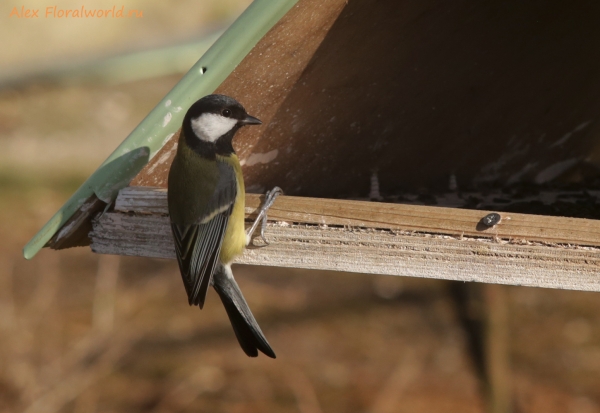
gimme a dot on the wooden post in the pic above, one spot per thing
(497, 350)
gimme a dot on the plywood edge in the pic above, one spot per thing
(374, 251)
(139, 226)
(436, 220)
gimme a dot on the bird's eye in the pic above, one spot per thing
(226, 113)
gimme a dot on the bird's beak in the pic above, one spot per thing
(250, 120)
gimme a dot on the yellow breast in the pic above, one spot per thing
(234, 240)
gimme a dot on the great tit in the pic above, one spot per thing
(206, 208)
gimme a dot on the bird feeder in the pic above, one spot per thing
(420, 105)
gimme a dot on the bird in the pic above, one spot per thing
(206, 197)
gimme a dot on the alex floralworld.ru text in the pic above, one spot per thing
(55, 12)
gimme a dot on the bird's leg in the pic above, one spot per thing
(270, 197)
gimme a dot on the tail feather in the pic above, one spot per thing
(246, 329)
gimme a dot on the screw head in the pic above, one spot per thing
(491, 219)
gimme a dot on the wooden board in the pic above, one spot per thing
(420, 91)
(436, 220)
(374, 252)
(365, 249)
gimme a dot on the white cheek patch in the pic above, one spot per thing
(210, 126)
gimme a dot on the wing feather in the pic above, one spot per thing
(198, 245)
(197, 249)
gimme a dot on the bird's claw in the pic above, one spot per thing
(270, 197)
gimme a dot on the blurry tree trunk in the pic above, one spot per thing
(497, 352)
(407, 370)
(483, 313)
(104, 298)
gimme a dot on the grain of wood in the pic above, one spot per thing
(374, 252)
(450, 221)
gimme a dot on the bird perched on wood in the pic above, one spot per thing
(206, 207)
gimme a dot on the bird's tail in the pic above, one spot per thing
(247, 331)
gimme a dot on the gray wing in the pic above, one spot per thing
(197, 246)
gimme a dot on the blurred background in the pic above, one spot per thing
(86, 333)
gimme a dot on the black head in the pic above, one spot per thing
(210, 124)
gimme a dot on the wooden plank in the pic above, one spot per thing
(375, 252)
(436, 220)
